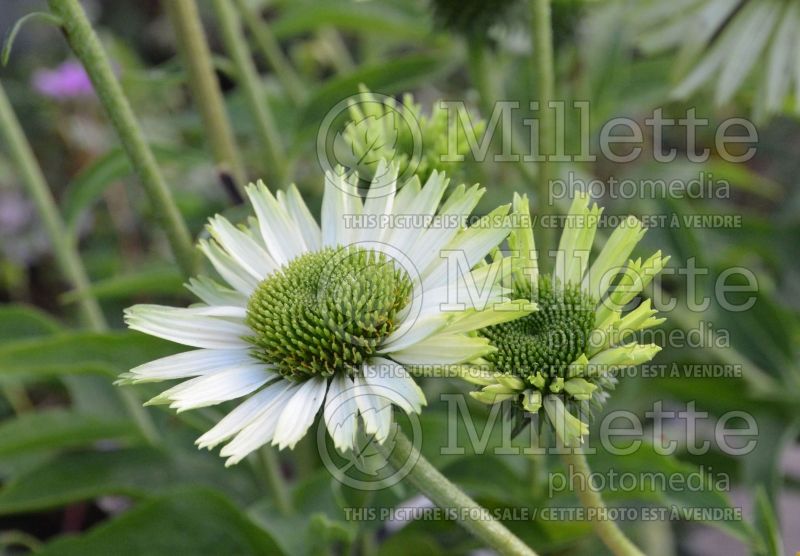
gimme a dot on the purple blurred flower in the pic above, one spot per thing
(67, 81)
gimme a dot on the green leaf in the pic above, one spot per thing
(189, 521)
(81, 353)
(47, 430)
(138, 472)
(20, 321)
(767, 525)
(47, 17)
(152, 281)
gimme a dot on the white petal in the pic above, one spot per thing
(375, 409)
(282, 237)
(242, 248)
(244, 414)
(414, 330)
(260, 430)
(189, 326)
(212, 293)
(341, 412)
(381, 193)
(341, 200)
(299, 212)
(197, 362)
(299, 413)
(444, 349)
(231, 271)
(391, 380)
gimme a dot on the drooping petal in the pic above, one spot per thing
(375, 409)
(260, 430)
(393, 381)
(244, 414)
(299, 412)
(341, 412)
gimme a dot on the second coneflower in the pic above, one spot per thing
(563, 357)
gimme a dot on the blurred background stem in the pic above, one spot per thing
(202, 80)
(66, 255)
(86, 46)
(542, 62)
(271, 466)
(271, 50)
(608, 531)
(64, 249)
(248, 79)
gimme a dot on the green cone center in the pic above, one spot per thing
(327, 311)
(547, 340)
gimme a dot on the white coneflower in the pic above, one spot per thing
(563, 356)
(333, 312)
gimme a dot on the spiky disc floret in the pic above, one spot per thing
(327, 312)
(545, 342)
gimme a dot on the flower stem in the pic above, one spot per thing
(277, 484)
(608, 531)
(477, 520)
(233, 37)
(271, 50)
(86, 46)
(542, 32)
(203, 83)
(66, 254)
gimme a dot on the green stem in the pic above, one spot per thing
(608, 531)
(477, 520)
(203, 83)
(66, 253)
(545, 79)
(86, 46)
(277, 483)
(271, 50)
(66, 256)
(231, 29)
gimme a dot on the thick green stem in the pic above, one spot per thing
(86, 46)
(277, 483)
(271, 50)
(66, 254)
(608, 531)
(545, 79)
(203, 83)
(233, 37)
(475, 519)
